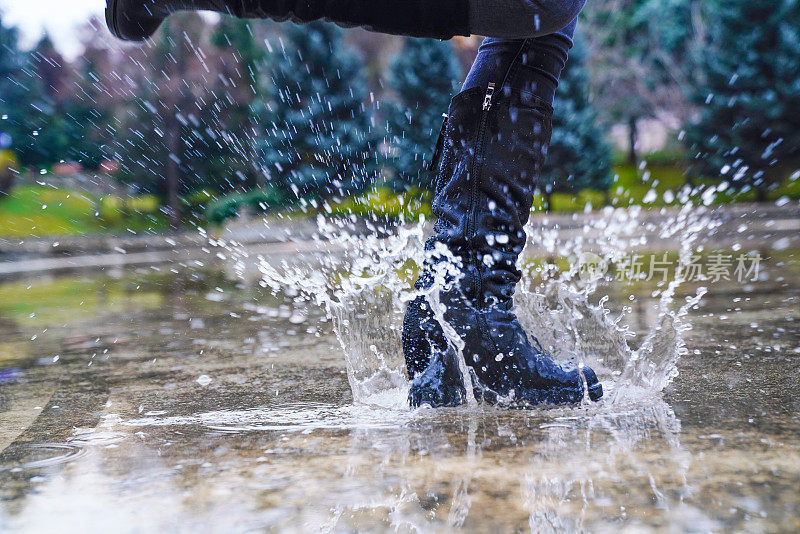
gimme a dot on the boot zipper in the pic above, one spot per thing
(487, 99)
(487, 105)
(437, 151)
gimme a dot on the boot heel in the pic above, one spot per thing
(596, 392)
(432, 388)
(129, 25)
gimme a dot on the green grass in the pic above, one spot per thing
(632, 187)
(44, 211)
(38, 211)
(41, 211)
(382, 201)
(789, 188)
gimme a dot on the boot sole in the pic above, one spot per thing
(113, 24)
(595, 391)
(111, 18)
(420, 396)
(546, 397)
(111, 12)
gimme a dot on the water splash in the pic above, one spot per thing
(364, 281)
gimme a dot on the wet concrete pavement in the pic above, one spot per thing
(156, 401)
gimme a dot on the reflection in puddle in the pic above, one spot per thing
(577, 478)
(572, 467)
(287, 417)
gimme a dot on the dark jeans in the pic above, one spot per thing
(515, 19)
(545, 55)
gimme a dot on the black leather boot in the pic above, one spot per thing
(494, 144)
(136, 20)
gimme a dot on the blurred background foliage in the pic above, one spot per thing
(219, 117)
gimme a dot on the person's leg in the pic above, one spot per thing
(495, 142)
(515, 19)
(547, 54)
(136, 20)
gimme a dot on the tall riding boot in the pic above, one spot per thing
(136, 20)
(495, 140)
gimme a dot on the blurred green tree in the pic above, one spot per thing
(230, 110)
(578, 157)
(639, 51)
(163, 144)
(52, 70)
(748, 92)
(52, 91)
(317, 138)
(26, 112)
(423, 76)
(87, 109)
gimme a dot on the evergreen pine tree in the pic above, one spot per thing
(423, 77)
(229, 108)
(157, 147)
(638, 59)
(316, 139)
(87, 114)
(578, 157)
(25, 110)
(141, 147)
(748, 126)
(49, 90)
(12, 94)
(51, 68)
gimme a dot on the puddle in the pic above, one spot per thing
(303, 417)
(275, 438)
(36, 456)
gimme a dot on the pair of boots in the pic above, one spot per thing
(489, 155)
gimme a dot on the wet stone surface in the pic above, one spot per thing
(178, 402)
